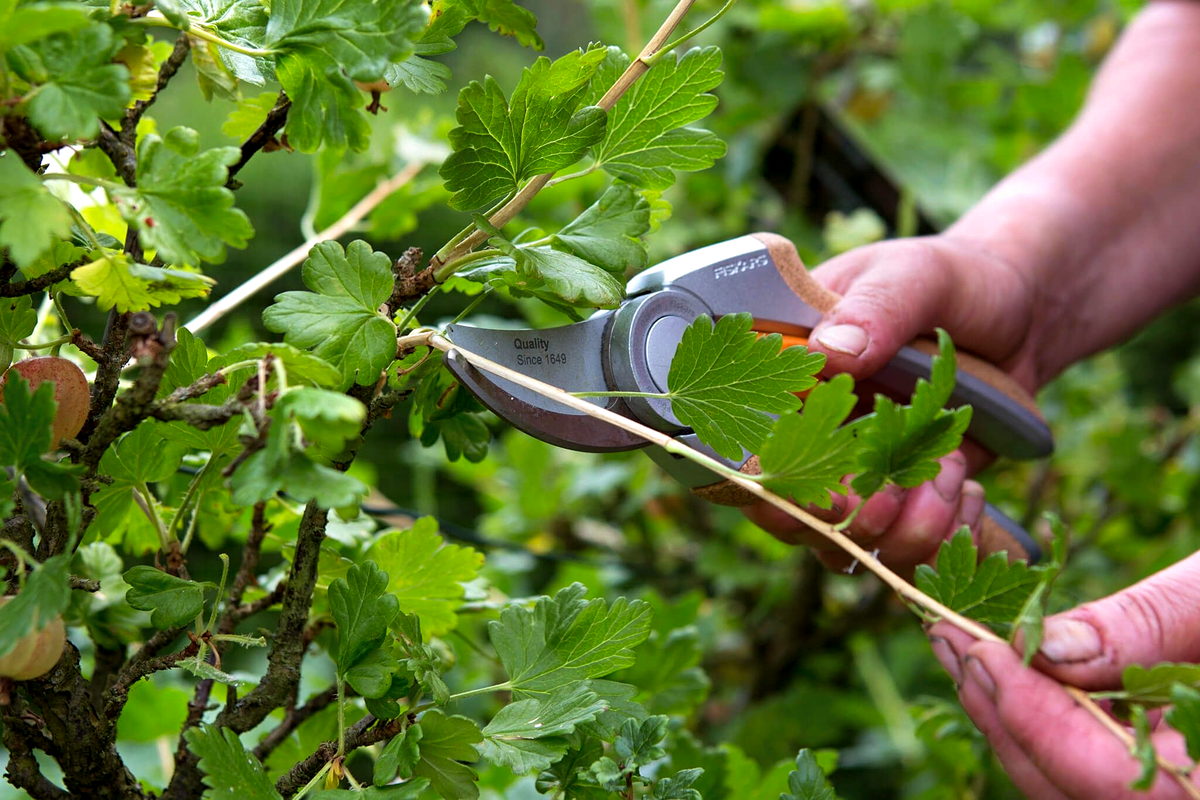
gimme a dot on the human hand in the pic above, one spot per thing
(891, 293)
(1051, 747)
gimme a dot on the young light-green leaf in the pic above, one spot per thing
(725, 381)
(901, 444)
(499, 143)
(648, 139)
(426, 573)
(363, 610)
(1152, 686)
(173, 602)
(339, 318)
(567, 639)
(117, 281)
(992, 592)
(180, 206)
(230, 773)
(807, 454)
(1143, 750)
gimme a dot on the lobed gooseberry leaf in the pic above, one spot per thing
(807, 454)
(45, 596)
(566, 639)
(901, 444)
(229, 770)
(180, 206)
(807, 781)
(31, 218)
(647, 139)
(26, 435)
(608, 233)
(993, 591)
(725, 381)
(362, 610)
(445, 743)
(500, 143)
(532, 734)
(339, 319)
(173, 602)
(117, 281)
(1184, 716)
(399, 757)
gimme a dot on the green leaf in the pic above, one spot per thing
(567, 639)
(647, 138)
(243, 22)
(570, 776)
(445, 742)
(807, 781)
(992, 592)
(339, 319)
(639, 742)
(251, 112)
(229, 771)
(26, 420)
(901, 444)
(399, 757)
(509, 19)
(1143, 750)
(679, 786)
(532, 734)
(419, 75)
(140, 457)
(1184, 716)
(423, 661)
(324, 46)
(725, 382)
(808, 454)
(35, 21)
(608, 233)
(117, 281)
(326, 420)
(173, 602)
(1030, 621)
(426, 573)
(17, 320)
(31, 218)
(180, 206)
(46, 596)
(371, 677)
(499, 144)
(1151, 686)
(362, 610)
(76, 82)
(301, 366)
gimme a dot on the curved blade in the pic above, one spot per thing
(570, 357)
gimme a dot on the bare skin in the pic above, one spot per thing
(1067, 256)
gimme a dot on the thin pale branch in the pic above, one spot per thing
(277, 269)
(635, 70)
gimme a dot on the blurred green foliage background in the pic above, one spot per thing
(758, 651)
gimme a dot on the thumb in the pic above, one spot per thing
(1155, 620)
(891, 292)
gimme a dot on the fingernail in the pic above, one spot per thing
(1069, 640)
(949, 480)
(849, 340)
(980, 675)
(946, 657)
(970, 505)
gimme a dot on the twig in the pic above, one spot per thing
(294, 718)
(635, 70)
(360, 734)
(897, 584)
(119, 693)
(40, 283)
(280, 267)
(245, 574)
(84, 584)
(276, 119)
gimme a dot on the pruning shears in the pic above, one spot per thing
(629, 349)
